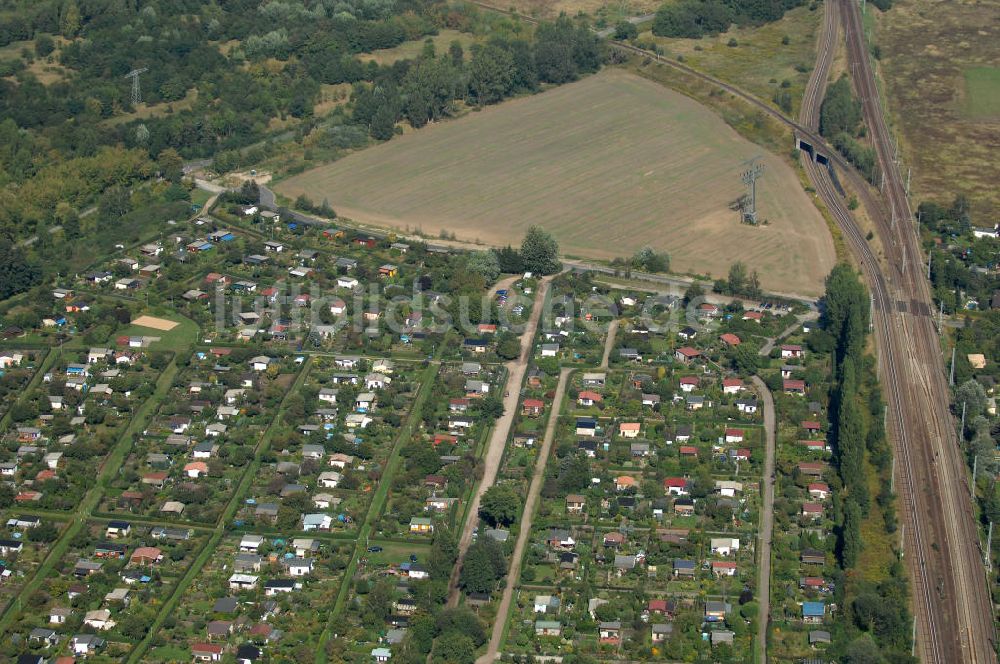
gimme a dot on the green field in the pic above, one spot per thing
(982, 93)
(394, 553)
(179, 338)
(609, 164)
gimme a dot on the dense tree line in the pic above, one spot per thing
(845, 319)
(740, 281)
(878, 616)
(694, 19)
(646, 259)
(427, 89)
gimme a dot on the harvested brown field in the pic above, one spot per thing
(155, 323)
(608, 164)
(936, 62)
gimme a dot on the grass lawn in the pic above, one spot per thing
(170, 653)
(982, 93)
(411, 49)
(615, 151)
(199, 196)
(179, 338)
(393, 553)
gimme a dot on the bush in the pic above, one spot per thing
(840, 112)
(862, 156)
(44, 45)
(625, 31)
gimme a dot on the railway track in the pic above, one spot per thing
(881, 318)
(951, 600)
(963, 631)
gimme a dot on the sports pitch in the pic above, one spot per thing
(609, 164)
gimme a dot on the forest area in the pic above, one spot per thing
(77, 157)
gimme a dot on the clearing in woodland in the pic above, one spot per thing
(609, 164)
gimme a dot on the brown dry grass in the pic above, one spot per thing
(144, 111)
(608, 164)
(760, 61)
(155, 323)
(47, 70)
(330, 97)
(411, 49)
(926, 49)
(552, 8)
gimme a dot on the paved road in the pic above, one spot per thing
(267, 198)
(516, 370)
(524, 532)
(766, 522)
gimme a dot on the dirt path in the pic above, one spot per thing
(767, 492)
(530, 505)
(765, 350)
(609, 343)
(766, 523)
(504, 283)
(524, 532)
(498, 439)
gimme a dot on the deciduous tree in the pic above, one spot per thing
(540, 251)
